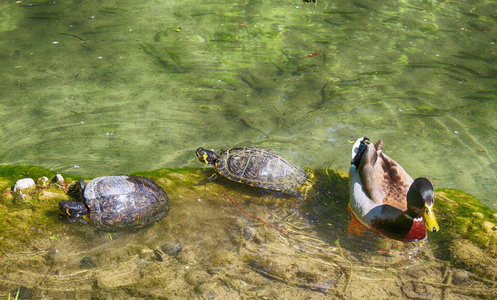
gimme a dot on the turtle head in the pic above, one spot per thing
(73, 209)
(206, 156)
(420, 199)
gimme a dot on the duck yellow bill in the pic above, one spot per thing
(429, 218)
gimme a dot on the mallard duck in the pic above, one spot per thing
(385, 199)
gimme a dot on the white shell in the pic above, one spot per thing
(23, 184)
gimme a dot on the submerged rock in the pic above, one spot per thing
(21, 292)
(460, 276)
(172, 249)
(87, 262)
(248, 232)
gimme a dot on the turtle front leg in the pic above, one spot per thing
(208, 179)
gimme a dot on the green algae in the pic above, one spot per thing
(225, 254)
(470, 231)
(11, 16)
(33, 218)
(467, 217)
(10, 174)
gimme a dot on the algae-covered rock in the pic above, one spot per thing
(22, 189)
(469, 230)
(47, 195)
(465, 217)
(490, 228)
(35, 216)
(208, 247)
(43, 181)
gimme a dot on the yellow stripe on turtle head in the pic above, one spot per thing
(206, 156)
(201, 157)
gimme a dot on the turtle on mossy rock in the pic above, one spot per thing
(467, 242)
(254, 166)
(118, 202)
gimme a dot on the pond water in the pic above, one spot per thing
(155, 80)
(92, 88)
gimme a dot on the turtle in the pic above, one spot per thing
(118, 202)
(254, 166)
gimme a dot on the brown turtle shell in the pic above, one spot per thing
(125, 202)
(259, 167)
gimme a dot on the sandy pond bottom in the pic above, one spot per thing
(208, 249)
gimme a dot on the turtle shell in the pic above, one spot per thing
(125, 202)
(259, 167)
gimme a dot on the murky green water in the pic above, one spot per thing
(154, 80)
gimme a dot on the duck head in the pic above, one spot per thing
(420, 201)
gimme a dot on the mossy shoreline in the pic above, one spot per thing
(464, 251)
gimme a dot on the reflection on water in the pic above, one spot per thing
(207, 248)
(153, 81)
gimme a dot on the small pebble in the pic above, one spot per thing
(23, 184)
(172, 249)
(43, 181)
(58, 179)
(248, 232)
(460, 277)
(87, 262)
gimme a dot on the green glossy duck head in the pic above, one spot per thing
(420, 201)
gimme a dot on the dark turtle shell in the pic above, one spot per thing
(125, 202)
(259, 167)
